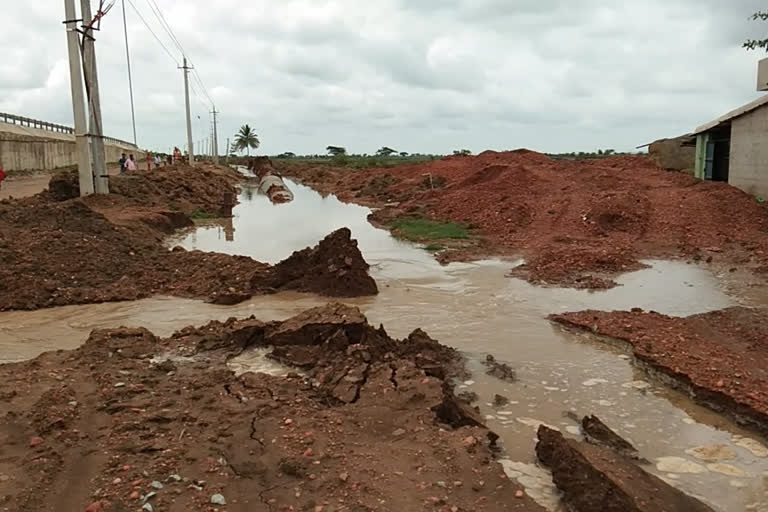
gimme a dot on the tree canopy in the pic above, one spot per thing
(336, 150)
(462, 152)
(385, 151)
(246, 139)
(753, 44)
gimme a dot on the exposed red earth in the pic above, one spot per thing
(577, 222)
(719, 358)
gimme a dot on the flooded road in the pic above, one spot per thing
(473, 307)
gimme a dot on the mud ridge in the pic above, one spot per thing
(679, 352)
(578, 223)
(59, 251)
(167, 416)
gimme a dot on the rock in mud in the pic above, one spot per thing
(319, 325)
(501, 371)
(335, 267)
(594, 478)
(469, 397)
(500, 400)
(597, 432)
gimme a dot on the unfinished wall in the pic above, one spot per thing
(670, 154)
(749, 153)
(28, 149)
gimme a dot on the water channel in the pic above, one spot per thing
(475, 308)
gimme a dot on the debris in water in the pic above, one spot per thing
(755, 447)
(712, 453)
(678, 465)
(594, 382)
(726, 469)
(501, 371)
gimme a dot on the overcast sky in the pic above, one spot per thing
(417, 75)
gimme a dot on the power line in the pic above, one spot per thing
(169, 31)
(163, 23)
(153, 32)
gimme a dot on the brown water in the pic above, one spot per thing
(474, 308)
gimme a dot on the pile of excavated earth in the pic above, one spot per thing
(576, 222)
(359, 421)
(58, 249)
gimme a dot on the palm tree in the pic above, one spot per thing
(246, 139)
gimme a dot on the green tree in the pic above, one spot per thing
(403, 154)
(462, 152)
(336, 150)
(246, 139)
(385, 151)
(753, 44)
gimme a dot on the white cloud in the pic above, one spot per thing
(422, 76)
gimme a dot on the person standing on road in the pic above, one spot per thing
(131, 164)
(2, 176)
(157, 161)
(123, 161)
(149, 161)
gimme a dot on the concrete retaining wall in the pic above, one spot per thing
(31, 149)
(748, 168)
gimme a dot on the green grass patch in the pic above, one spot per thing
(424, 229)
(200, 214)
(434, 247)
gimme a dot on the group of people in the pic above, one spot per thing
(129, 163)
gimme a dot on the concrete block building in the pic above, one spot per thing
(734, 148)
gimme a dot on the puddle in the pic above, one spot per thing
(473, 307)
(256, 360)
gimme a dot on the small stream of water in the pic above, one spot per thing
(473, 307)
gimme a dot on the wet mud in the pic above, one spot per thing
(365, 422)
(595, 478)
(58, 251)
(719, 358)
(540, 371)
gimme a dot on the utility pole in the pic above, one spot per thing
(78, 101)
(227, 151)
(215, 137)
(190, 144)
(101, 180)
(130, 76)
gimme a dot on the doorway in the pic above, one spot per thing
(718, 154)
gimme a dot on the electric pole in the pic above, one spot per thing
(78, 102)
(190, 144)
(101, 179)
(228, 151)
(130, 77)
(215, 137)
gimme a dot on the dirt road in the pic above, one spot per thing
(25, 186)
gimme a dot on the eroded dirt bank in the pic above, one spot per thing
(719, 358)
(576, 222)
(129, 419)
(594, 478)
(58, 250)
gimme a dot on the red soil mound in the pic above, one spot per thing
(525, 202)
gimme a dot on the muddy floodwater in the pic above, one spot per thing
(475, 308)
